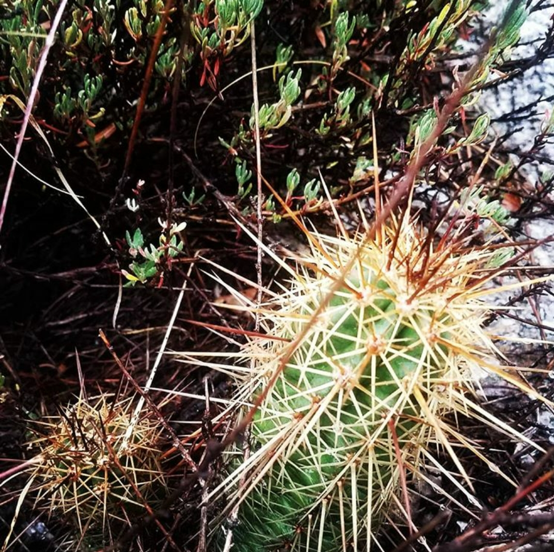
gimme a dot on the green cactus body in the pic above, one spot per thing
(365, 393)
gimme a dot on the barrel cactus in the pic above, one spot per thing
(368, 357)
(97, 465)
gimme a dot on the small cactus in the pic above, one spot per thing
(369, 356)
(97, 462)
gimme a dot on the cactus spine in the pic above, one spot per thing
(368, 394)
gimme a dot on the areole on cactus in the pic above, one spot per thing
(391, 336)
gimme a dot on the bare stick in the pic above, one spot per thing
(259, 214)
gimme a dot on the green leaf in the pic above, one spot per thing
(311, 190)
(425, 126)
(503, 171)
(289, 87)
(509, 35)
(137, 241)
(479, 131)
(242, 174)
(345, 98)
(293, 179)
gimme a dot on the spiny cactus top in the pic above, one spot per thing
(390, 333)
(98, 462)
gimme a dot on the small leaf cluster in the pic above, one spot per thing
(244, 178)
(473, 201)
(67, 103)
(271, 117)
(505, 39)
(150, 258)
(21, 40)
(341, 116)
(276, 115)
(343, 29)
(220, 26)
